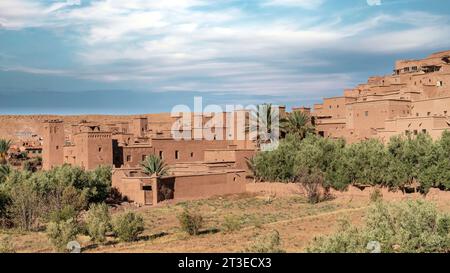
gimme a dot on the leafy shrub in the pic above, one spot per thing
(55, 195)
(4, 203)
(61, 233)
(311, 181)
(231, 224)
(99, 184)
(277, 165)
(409, 227)
(64, 202)
(115, 197)
(95, 185)
(98, 222)
(32, 165)
(190, 222)
(128, 226)
(64, 214)
(435, 165)
(25, 206)
(269, 243)
(348, 239)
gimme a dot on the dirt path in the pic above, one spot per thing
(311, 217)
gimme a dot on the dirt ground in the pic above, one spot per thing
(258, 213)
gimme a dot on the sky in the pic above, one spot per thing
(136, 56)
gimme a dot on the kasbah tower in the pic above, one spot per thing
(53, 144)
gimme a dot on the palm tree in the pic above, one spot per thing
(4, 147)
(265, 117)
(4, 172)
(154, 165)
(298, 124)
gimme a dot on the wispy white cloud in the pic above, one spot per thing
(401, 41)
(190, 45)
(35, 70)
(306, 4)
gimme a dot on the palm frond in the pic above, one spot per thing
(4, 172)
(298, 124)
(4, 148)
(154, 165)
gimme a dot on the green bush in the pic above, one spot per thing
(98, 222)
(404, 160)
(64, 214)
(435, 165)
(4, 203)
(25, 206)
(231, 224)
(27, 199)
(95, 184)
(61, 233)
(32, 165)
(269, 243)
(99, 184)
(128, 226)
(190, 222)
(408, 227)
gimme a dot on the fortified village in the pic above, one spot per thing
(414, 99)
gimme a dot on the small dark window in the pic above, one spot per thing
(146, 188)
(366, 113)
(128, 158)
(57, 147)
(424, 131)
(144, 157)
(177, 154)
(99, 149)
(429, 114)
(192, 154)
(161, 155)
(415, 132)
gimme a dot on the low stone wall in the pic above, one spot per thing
(275, 188)
(433, 195)
(287, 189)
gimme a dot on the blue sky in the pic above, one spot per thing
(135, 56)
